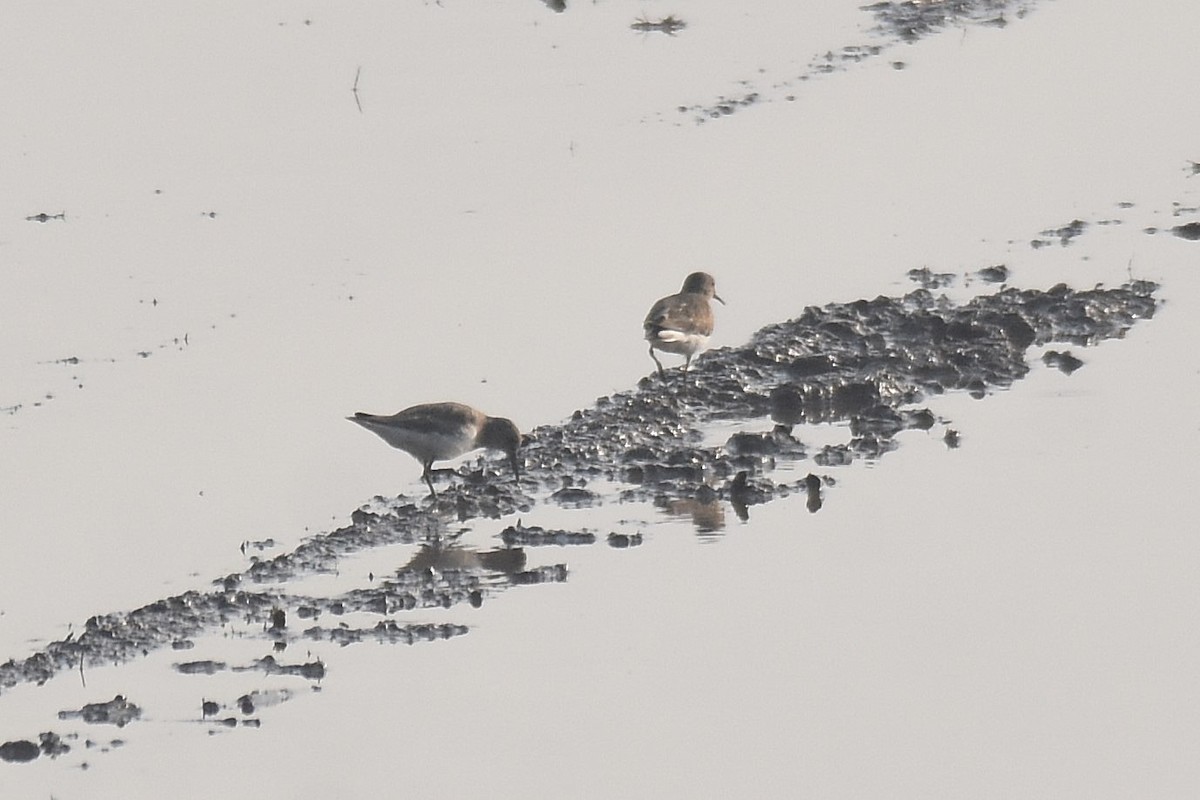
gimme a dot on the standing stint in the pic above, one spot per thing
(682, 323)
(441, 431)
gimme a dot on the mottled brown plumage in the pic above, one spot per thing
(681, 323)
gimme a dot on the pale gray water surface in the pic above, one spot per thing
(1013, 617)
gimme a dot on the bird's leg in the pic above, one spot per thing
(657, 363)
(429, 480)
(687, 363)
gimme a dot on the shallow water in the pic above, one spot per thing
(1007, 617)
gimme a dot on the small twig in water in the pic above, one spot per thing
(354, 90)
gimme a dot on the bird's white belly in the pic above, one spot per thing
(427, 445)
(684, 344)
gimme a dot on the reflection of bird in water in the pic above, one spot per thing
(704, 510)
(744, 493)
(681, 323)
(792, 404)
(787, 406)
(737, 496)
(440, 557)
(441, 431)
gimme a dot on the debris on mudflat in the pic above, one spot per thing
(556, 573)
(996, 274)
(18, 751)
(118, 711)
(313, 670)
(723, 107)
(536, 536)
(1064, 234)
(44, 217)
(928, 279)
(575, 497)
(387, 632)
(623, 540)
(670, 25)
(259, 545)
(204, 667)
(850, 54)
(256, 700)
(1065, 362)
(812, 487)
(52, 745)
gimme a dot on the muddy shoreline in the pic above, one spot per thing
(868, 364)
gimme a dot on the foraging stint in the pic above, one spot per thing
(682, 323)
(441, 431)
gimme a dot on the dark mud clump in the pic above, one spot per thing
(536, 536)
(118, 711)
(624, 540)
(575, 497)
(994, 274)
(1190, 231)
(20, 750)
(1064, 361)
(928, 279)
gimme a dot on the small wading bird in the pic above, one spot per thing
(441, 431)
(681, 323)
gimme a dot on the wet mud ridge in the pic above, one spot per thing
(867, 365)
